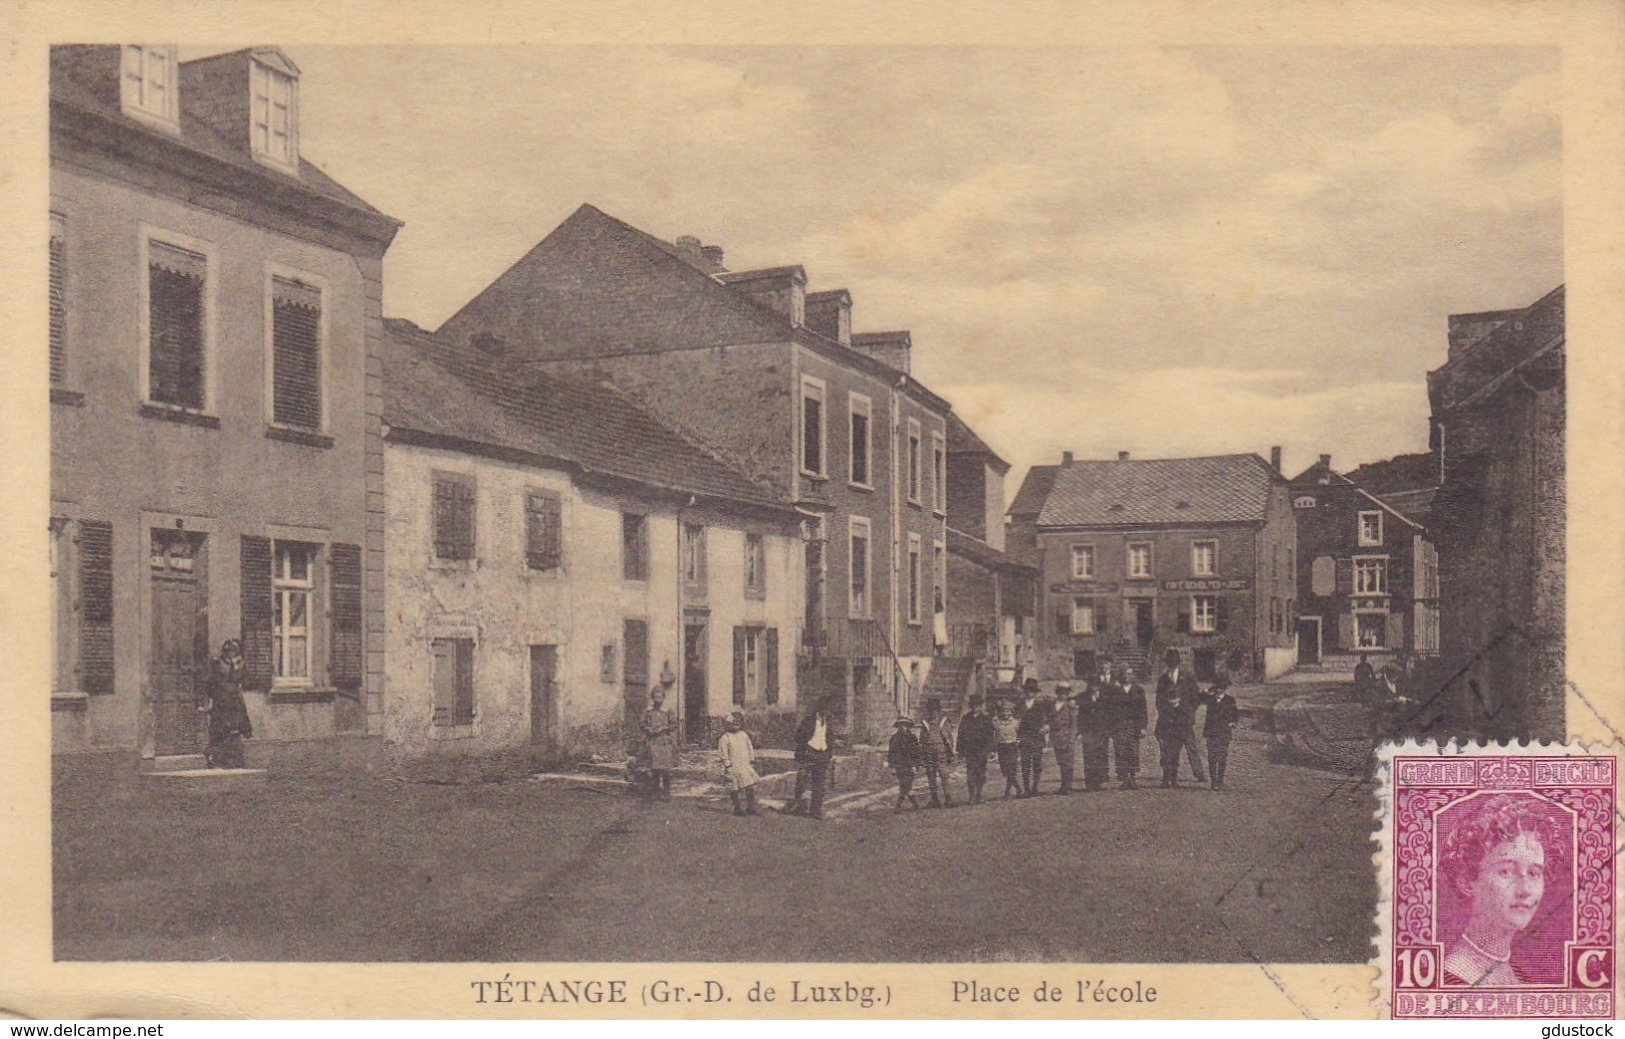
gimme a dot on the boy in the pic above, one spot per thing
(903, 757)
(1219, 726)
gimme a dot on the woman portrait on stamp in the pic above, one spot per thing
(1497, 859)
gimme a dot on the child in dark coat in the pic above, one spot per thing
(903, 758)
(1219, 726)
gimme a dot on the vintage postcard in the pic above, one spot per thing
(897, 510)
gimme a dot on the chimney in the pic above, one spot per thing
(830, 315)
(707, 258)
(1066, 459)
(889, 348)
(1275, 458)
(1122, 456)
(1325, 461)
(779, 289)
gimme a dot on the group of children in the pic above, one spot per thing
(1108, 718)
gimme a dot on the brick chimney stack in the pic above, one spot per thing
(1325, 461)
(1066, 459)
(1122, 456)
(1275, 458)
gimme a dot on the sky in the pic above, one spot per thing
(1171, 251)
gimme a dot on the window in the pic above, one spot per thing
(634, 546)
(914, 579)
(177, 338)
(59, 300)
(1370, 630)
(1083, 616)
(62, 607)
(275, 95)
(453, 517)
(858, 558)
(1203, 556)
(292, 583)
(1204, 613)
(939, 573)
(1370, 576)
(755, 567)
(939, 474)
(453, 681)
(1083, 562)
(544, 533)
(694, 557)
(914, 461)
(1371, 528)
(296, 354)
(861, 411)
(1139, 560)
(756, 665)
(147, 85)
(812, 427)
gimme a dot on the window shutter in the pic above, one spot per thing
(739, 666)
(296, 353)
(1396, 631)
(1184, 625)
(465, 682)
(347, 645)
(770, 654)
(542, 533)
(553, 542)
(96, 606)
(1102, 614)
(256, 605)
(1345, 631)
(1063, 619)
(1221, 615)
(59, 309)
(1345, 577)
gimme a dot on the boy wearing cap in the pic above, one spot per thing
(1063, 735)
(936, 751)
(903, 757)
(1219, 726)
(738, 756)
(976, 740)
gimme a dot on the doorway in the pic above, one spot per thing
(544, 670)
(1309, 640)
(179, 652)
(695, 701)
(1145, 621)
(635, 673)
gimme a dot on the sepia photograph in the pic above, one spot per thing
(821, 502)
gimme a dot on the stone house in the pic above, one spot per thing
(216, 459)
(760, 372)
(1139, 557)
(1368, 573)
(553, 551)
(1499, 414)
(991, 594)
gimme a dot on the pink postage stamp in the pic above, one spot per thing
(1498, 882)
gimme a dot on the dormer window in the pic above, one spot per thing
(147, 85)
(273, 115)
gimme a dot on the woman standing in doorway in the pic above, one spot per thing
(229, 724)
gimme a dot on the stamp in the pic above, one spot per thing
(1498, 882)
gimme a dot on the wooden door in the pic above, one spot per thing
(179, 651)
(1145, 625)
(695, 711)
(544, 664)
(635, 669)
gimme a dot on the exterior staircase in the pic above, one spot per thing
(1135, 658)
(949, 682)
